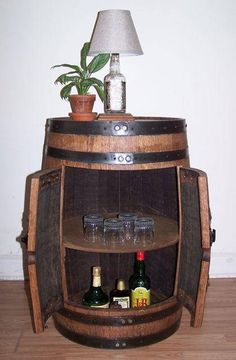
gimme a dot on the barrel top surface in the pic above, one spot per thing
(140, 126)
(136, 118)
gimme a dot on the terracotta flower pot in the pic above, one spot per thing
(82, 107)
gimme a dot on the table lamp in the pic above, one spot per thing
(114, 33)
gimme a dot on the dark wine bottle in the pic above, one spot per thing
(96, 297)
(120, 294)
(140, 283)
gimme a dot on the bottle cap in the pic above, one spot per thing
(121, 284)
(140, 255)
(96, 270)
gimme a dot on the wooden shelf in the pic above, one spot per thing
(76, 300)
(165, 234)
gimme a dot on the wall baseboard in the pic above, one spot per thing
(11, 267)
(223, 265)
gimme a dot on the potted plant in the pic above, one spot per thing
(80, 78)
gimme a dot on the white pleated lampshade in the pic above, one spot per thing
(114, 33)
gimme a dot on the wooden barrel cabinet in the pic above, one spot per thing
(110, 167)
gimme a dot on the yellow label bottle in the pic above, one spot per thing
(140, 296)
(140, 283)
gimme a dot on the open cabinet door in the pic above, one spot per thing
(194, 242)
(44, 248)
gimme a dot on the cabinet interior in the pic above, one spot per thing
(112, 191)
(149, 192)
(160, 267)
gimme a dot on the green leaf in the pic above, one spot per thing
(83, 55)
(66, 90)
(87, 83)
(80, 77)
(98, 63)
(74, 67)
(97, 81)
(64, 78)
(100, 92)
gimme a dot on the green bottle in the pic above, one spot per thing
(96, 297)
(140, 283)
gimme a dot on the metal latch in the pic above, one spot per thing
(212, 236)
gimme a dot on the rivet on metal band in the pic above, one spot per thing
(117, 158)
(117, 128)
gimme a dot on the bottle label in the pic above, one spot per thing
(140, 296)
(105, 306)
(123, 301)
(96, 281)
(115, 95)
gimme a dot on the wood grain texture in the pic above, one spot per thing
(62, 248)
(44, 241)
(205, 232)
(78, 265)
(35, 298)
(116, 116)
(204, 210)
(193, 267)
(165, 234)
(163, 140)
(99, 143)
(129, 332)
(150, 192)
(215, 340)
(201, 296)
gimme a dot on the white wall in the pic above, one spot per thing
(187, 70)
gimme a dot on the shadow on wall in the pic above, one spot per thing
(22, 239)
